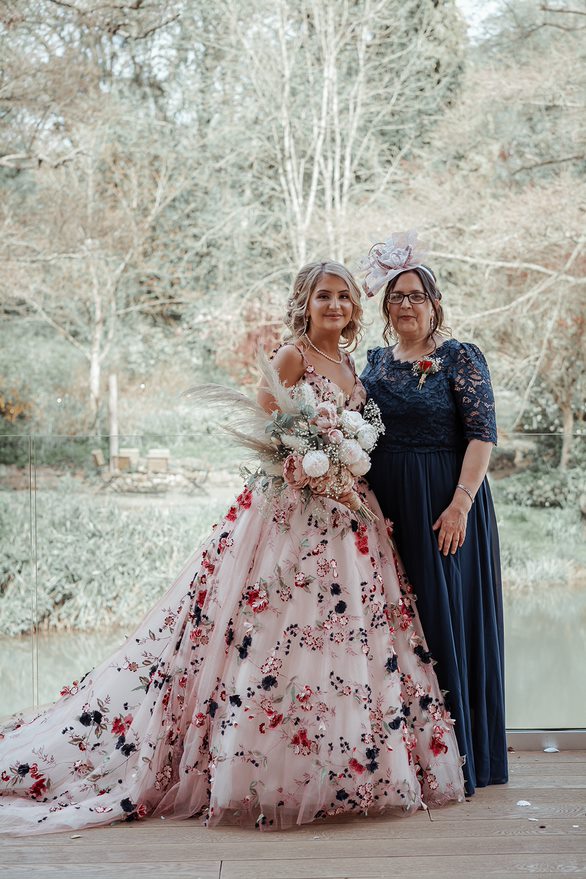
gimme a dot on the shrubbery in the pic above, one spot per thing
(100, 563)
(542, 488)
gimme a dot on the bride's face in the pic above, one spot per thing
(330, 306)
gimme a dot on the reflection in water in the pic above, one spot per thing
(63, 657)
(545, 681)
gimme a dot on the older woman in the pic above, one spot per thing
(428, 474)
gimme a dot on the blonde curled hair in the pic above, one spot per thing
(305, 283)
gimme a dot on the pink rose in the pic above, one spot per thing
(326, 417)
(321, 484)
(293, 472)
(335, 436)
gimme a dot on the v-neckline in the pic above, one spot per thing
(335, 384)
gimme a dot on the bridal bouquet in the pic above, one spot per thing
(322, 449)
(316, 448)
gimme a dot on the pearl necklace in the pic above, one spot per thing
(323, 354)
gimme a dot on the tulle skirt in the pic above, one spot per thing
(282, 678)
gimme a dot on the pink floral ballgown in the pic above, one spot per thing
(282, 678)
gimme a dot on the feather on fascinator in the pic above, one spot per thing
(387, 259)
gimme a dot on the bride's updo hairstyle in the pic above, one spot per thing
(296, 318)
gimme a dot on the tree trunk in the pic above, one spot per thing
(568, 422)
(95, 376)
(113, 418)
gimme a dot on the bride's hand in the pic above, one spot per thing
(351, 500)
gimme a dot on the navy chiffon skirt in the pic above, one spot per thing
(459, 598)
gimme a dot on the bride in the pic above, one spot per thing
(283, 677)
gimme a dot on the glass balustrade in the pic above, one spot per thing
(89, 544)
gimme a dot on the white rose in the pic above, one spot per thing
(367, 437)
(316, 463)
(349, 451)
(352, 422)
(361, 466)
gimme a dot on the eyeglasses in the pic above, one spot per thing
(416, 298)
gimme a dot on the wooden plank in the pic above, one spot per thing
(523, 780)
(163, 852)
(564, 771)
(188, 833)
(381, 868)
(543, 757)
(144, 870)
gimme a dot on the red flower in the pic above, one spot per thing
(438, 746)
(303, 744)
(361, 539)
(121, 724)
(232, 514)
(258, 600)
(141, 810)
(245, 499)
(198, 636)
(5, 776)
(38, 788)
(199, 719)
(206, 563)
(305, 694)
(355, 766)
(275, 720)
(424, 365)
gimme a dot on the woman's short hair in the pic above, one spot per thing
(305, 283)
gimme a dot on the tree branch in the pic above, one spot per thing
(548, 162)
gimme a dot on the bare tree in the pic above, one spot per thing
(341, 91)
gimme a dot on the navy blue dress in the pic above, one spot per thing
(415, 469)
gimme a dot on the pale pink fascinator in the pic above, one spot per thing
(387, 259)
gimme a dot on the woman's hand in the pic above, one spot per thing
(452, 525)
(351, 500)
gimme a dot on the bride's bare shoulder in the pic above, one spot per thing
(289, 363)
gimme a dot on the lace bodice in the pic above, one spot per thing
(454, 405)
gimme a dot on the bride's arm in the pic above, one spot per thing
(289, 364)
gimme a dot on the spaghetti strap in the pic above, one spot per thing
(350, 360)
(292, 345)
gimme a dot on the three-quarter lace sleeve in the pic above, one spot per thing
(473, 392)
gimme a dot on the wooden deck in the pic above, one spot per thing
(490, 835)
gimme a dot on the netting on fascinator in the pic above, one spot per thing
(402, 252)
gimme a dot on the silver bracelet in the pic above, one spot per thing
(467, 490)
